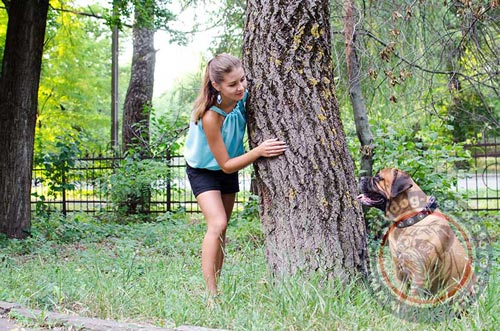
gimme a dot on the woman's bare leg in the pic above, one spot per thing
(214, 207)
(228, 202)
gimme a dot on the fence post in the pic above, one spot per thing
(169, 177)
(63, 175)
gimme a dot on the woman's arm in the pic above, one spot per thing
(212, 123)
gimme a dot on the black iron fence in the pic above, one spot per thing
(104, 183)
(481, 181)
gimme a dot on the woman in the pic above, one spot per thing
(214, 154)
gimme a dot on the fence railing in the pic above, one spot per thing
(481, 182)
(90, 186)
(92, 183)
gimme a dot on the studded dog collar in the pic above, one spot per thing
(429, 209)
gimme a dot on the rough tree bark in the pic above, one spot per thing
(358, 105)
(138, 101)
(309, 213)
(136, 112)
(19, 82)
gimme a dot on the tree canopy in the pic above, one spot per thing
(428, 73)
(74, 88)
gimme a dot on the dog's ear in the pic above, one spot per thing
(402, 182)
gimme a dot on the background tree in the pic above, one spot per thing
(21, 66)
(138, 101)
(149, 16)
(311, 219)
(355, 91)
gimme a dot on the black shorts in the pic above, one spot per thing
(203, 180)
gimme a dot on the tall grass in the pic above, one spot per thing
(150, 272)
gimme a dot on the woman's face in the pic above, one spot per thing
(233, 87)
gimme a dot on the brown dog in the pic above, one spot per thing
(428, 258)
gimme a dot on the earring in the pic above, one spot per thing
(219, 99)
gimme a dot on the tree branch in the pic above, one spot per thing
(424, 69)
(79, 13)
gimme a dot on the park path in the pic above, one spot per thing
(62, 322)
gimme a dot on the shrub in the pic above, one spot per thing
(131, 183)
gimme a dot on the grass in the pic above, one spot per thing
(150, 272)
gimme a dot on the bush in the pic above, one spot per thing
(131, 184)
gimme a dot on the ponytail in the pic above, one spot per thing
(206, 97)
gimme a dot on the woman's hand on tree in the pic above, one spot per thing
(272, 147)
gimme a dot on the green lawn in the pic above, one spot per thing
(150, 272)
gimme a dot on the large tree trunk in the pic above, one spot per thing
(19, 81)
(358, 105)
(310, 216)
(138, 101)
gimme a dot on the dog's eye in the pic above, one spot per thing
(378, 178)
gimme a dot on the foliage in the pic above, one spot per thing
(153, 14)
(428, 154)
(250, 209)
(57, 165)
(419, 116)
(416, 56)
(169, 121)
(426, 150)
(167, 132)
(149, 273)
(77, 228)
(75, 82)
(171, 115)
(467, 106)
(229, 15)
(3, 32)
(161, 135)
(130, 184)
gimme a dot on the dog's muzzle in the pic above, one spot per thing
(370, 196)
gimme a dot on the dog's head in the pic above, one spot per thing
(388, 186)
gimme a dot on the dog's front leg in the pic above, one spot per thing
(416, 286)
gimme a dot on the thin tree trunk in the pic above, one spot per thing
(138, 101)
(310, 216)
(358, 105)
(19, 82)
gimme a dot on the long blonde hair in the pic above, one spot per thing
(216, 68)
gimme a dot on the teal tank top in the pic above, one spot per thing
(197, 152)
